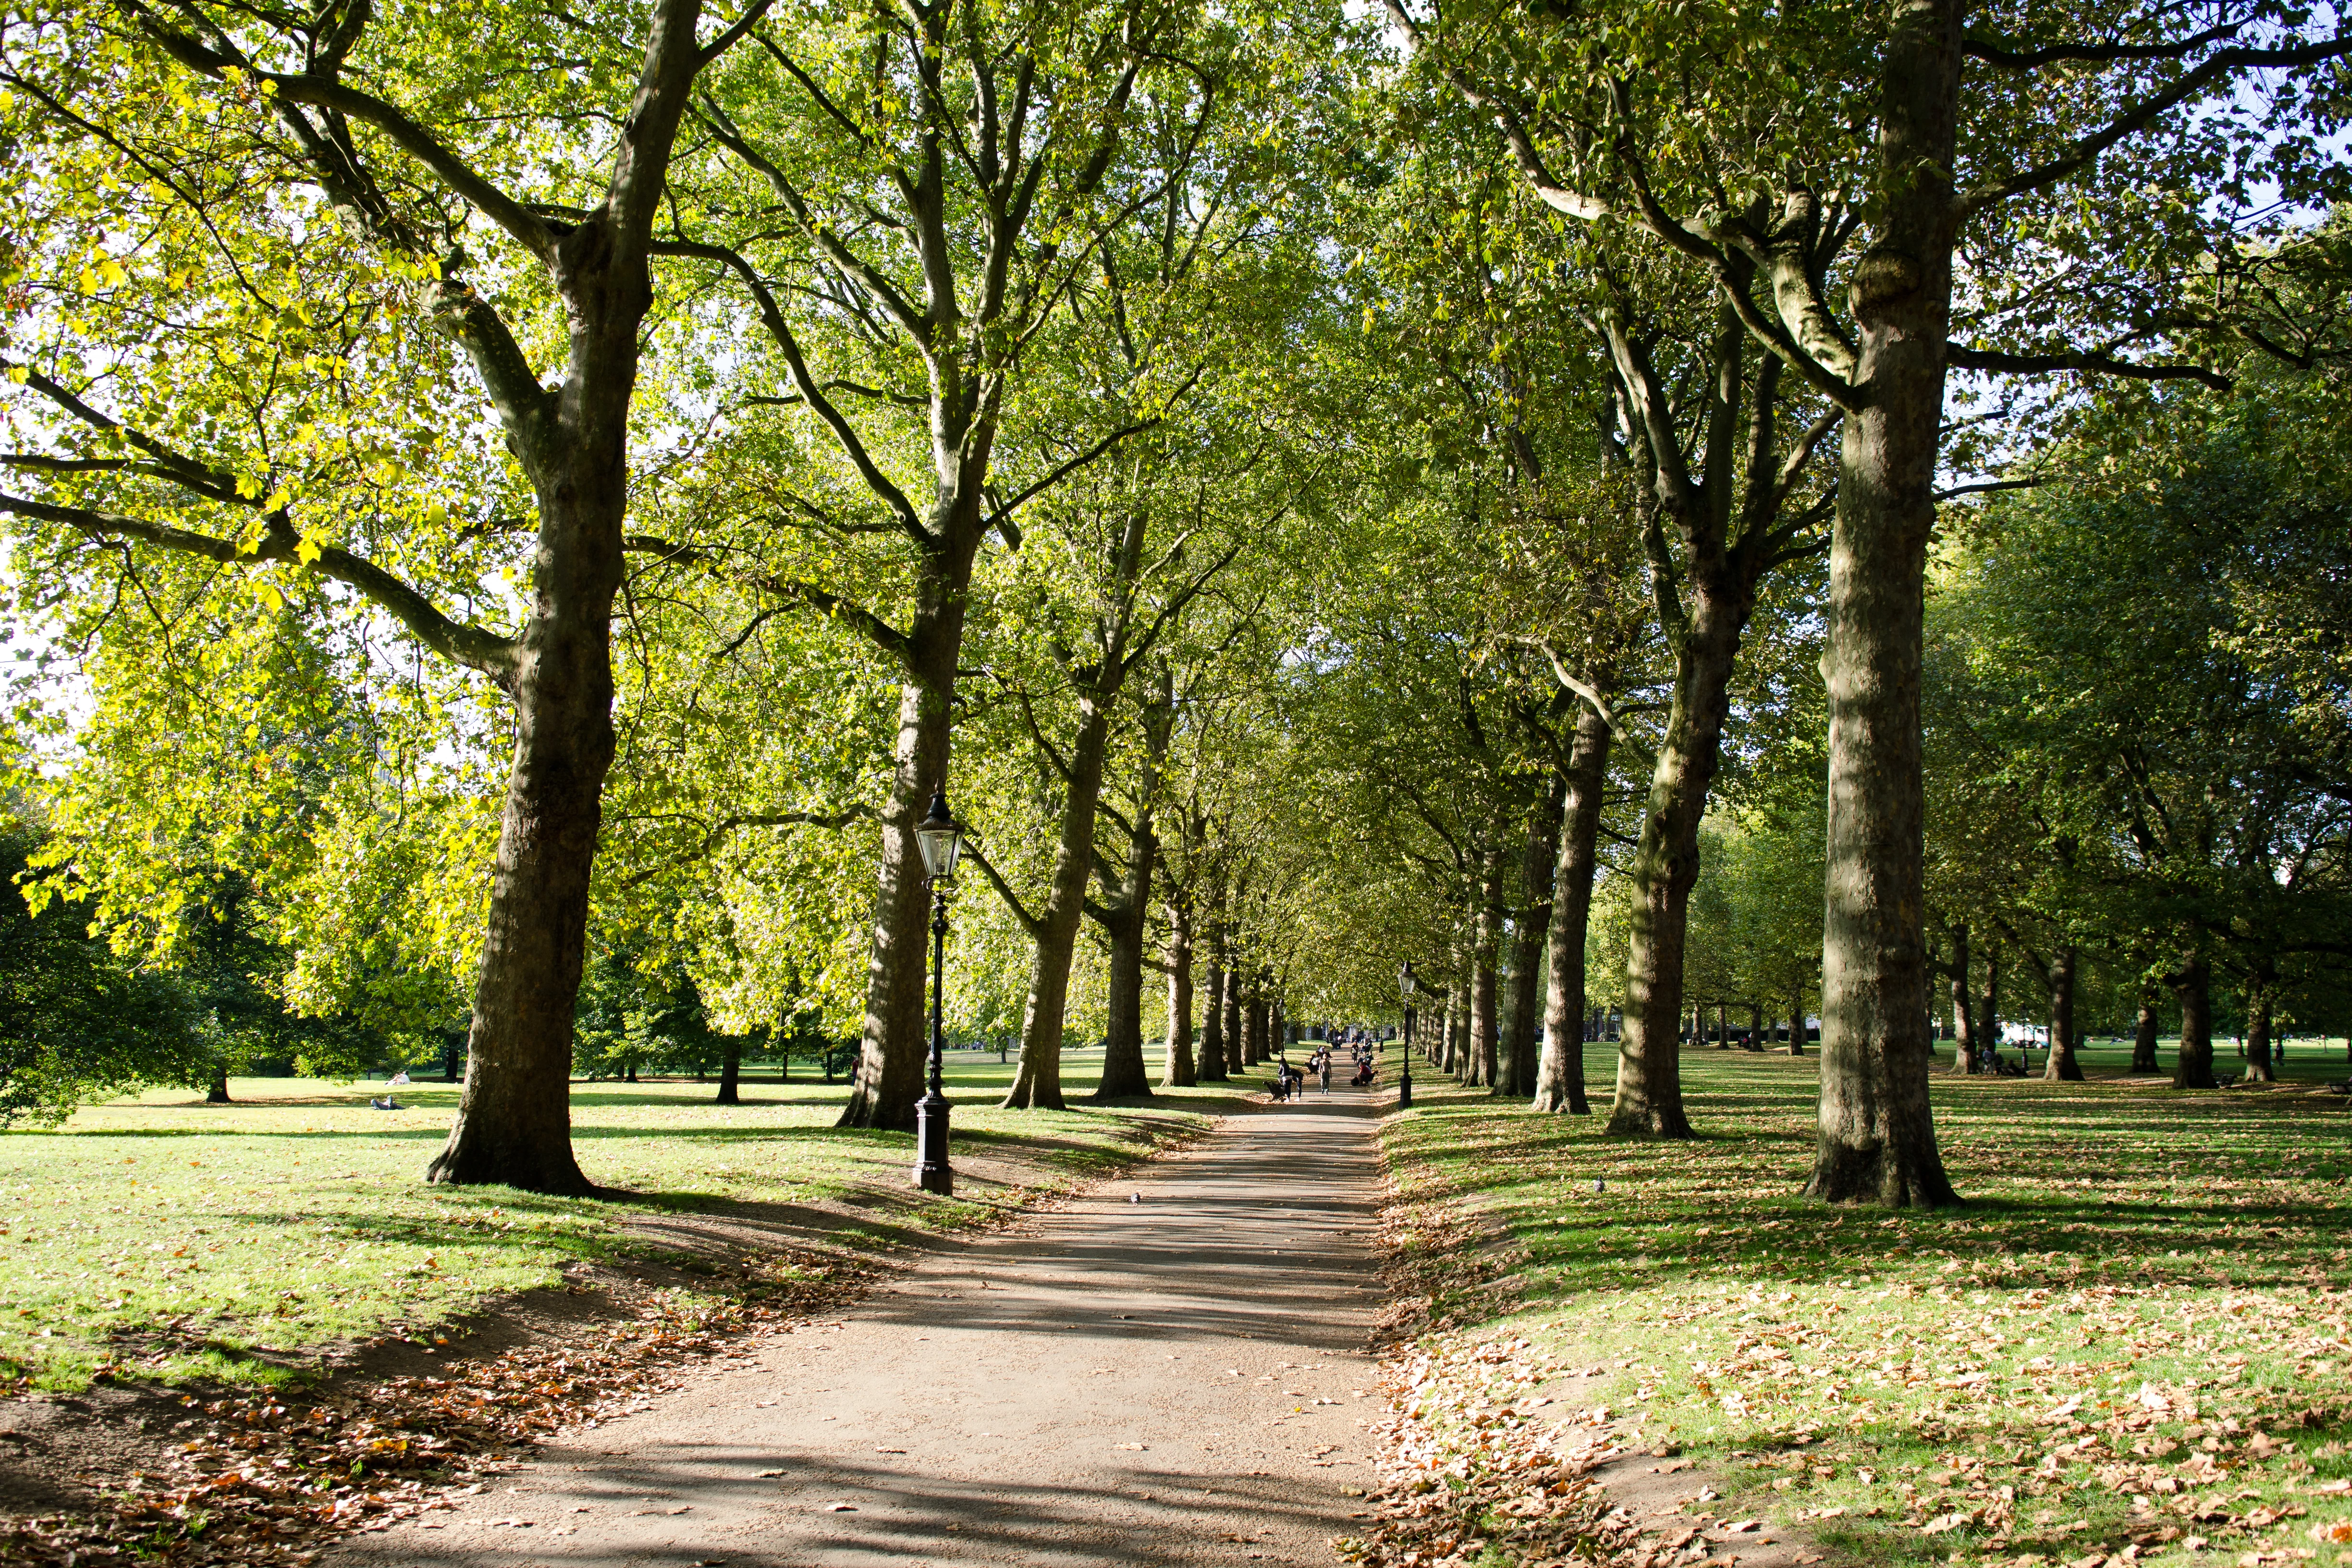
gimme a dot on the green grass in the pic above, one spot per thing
(160, 1238)
(2079, 1359)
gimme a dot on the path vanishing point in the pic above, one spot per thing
(1183, 1379)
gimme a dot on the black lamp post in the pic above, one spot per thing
(941, 838)
(1405, 983)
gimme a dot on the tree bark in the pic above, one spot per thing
(1212, 1016)
(2192, 1067)
(216, 1093)
(2062, 1066)
(888, 1076)
(1797, 1025)
(2260, 1068)
(513, 1126)
(730, 1073)
(1877, 1138)
(1237, 1059)
(1176, 1068)
(1666, 867)
(1559, 1077)
(1964, 1029)
(1480, 1066)
(1253, 1020)
(2143, 1032)
(1037, 1080)
(1989, 1013)
(1523, 969)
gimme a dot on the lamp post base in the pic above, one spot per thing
(932, 1171)
(1404, 1093)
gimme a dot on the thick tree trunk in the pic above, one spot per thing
(889, 1075)
(1964, 1031)
(216, 1092)
(2143, 1032)
(2192, 1067)
(1237, 1058)
(2260, 1068)
(1877, 1132)
(2063, 1065)
(1666, 867)
(1124, 1074)
(1211, 1067)
(730, 1074)
(1797, 1025)
(1988, 1009)
(514, 1122)
(1559, 1078)
(1257, 1047)
(1480, 1068)
(1037, 1081)
(1523, 969)
(1176, 1068)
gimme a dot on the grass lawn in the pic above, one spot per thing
(161, 1238)
(2133, 1342)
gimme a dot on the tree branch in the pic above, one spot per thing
(1027, 921)
(2095, 363)
(2086, 150)
(461, 642)
(879, 632)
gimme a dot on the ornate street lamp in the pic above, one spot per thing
(1406, 984)
(941, 838)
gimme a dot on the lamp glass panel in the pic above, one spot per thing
(941, 847)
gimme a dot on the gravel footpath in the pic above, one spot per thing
(1180, 1379)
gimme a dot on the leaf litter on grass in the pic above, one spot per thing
(266, 1478)
(1990, 1387)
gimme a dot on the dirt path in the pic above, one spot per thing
(1180, 1380)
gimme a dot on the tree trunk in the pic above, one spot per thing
(1256, 1047)
(513, 1126)
(1127, 914)
(1877, 1132)
(216, 1093)
(1037, 1081)
(1523, 971)
(1964, 1029)
(2063, 1065)
(1236, 1035)
(1989, 1014)
(887, 1076)
(1559, 1077)
(2192, 1067)
(1212, 1019)
(730, 1074)
(1479, 1069)
(1666, 867)
(1797, 1025)
(2143, 1032)
(1176, 1068)
(2260, 1068)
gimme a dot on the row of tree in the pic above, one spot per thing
(565, 482)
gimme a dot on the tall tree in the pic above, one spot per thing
(287, 159)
